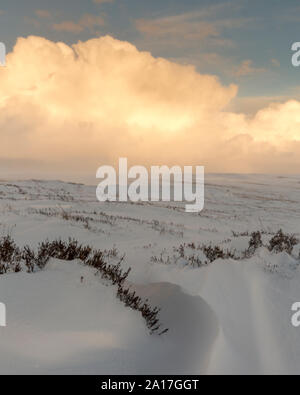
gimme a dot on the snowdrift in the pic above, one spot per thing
(227, 316)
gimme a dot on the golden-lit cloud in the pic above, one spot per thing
(43, 13)
(87, 21)
(247, 68)
(275, 62)
(204, 26)
(69, 109)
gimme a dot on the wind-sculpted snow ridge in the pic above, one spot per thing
(14, 259)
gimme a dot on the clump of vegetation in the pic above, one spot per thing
(162, 258)
(14, 259)
(239, 234)
(194, 255)
(282, 242)
(247, 233)
(190, 252)
(214, 253)
(10, 256)
(255, 242)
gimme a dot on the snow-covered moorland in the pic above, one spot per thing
(225, 294)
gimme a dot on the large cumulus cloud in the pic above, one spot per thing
(67, 110)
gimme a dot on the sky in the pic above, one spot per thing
(194, 82)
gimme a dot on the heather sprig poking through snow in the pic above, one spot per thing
(254, 243)
(14, 259)
(132, 300)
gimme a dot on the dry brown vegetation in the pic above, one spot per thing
(200, 255)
